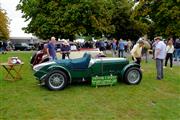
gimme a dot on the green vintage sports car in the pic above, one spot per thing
(56, 75)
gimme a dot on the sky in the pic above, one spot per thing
(16, 22)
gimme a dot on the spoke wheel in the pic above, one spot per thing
(133, 76)
(57, 80)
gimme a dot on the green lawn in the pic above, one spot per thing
(150, 100)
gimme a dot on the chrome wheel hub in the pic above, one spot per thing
(56, 80)
(133, 76)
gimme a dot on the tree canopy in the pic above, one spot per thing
(4, 25)
(117, 18)
(162, 17)
(67, 18)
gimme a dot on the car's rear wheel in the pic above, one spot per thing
(56, 80)
(133, 76)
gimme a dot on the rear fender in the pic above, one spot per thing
(129, 66)
(54, 67)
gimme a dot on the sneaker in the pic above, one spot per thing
(171, 68)
(164, 66)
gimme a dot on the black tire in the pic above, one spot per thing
(133, 76)
(56, 80)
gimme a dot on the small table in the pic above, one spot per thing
(13, 71)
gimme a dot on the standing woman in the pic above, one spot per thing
(169, 52)
(136, 52)
(65, 49)
(114, 47)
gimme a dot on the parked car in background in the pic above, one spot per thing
(22, 46)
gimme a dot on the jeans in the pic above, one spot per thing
(159, 68)
(121, 53)
(113, 52)
(177, 53)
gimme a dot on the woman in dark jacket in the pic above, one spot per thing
(65, 50)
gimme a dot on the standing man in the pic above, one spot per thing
(160, 54)
(121, 47)
(129, 45)
(177, 50)
(51, 49)
(145, 49)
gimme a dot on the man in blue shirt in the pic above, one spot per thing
(51, 51)
(121, 47)
(177, 50)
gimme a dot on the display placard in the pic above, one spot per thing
(104, 80)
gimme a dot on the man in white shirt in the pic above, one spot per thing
(160, 54)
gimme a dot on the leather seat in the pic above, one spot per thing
(81, 63)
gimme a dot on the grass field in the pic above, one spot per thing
(150, 100)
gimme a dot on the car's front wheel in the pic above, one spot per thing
(56, 80)
(133, 76)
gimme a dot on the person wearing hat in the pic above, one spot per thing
(160, 54)
(137, 50)
(65, 49)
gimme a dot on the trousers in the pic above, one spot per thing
(169, 56)
(159, 68)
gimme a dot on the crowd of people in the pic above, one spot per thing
(5, 46)
(49, 48)
(162, 50)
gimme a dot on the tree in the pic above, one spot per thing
(161, 16)
(125, 25)
(66, 18)
(4, 25)
(121, 15)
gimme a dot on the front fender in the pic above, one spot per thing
(55, 67)
(129, 66)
